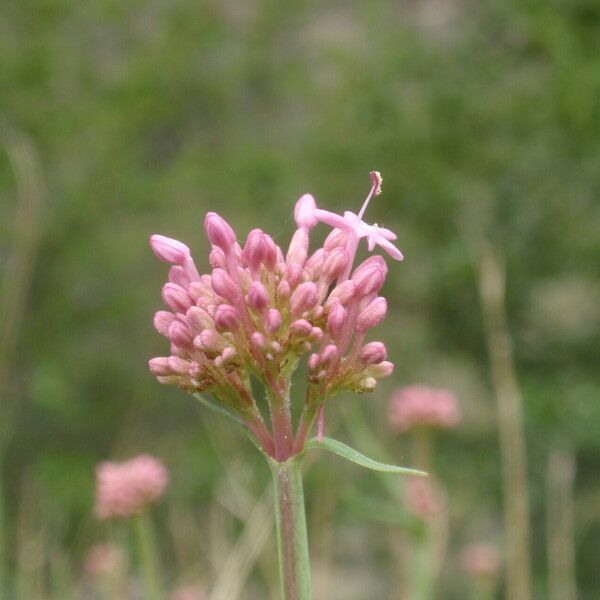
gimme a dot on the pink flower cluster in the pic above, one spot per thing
(124, 489)
(261, 309)
(420, 406)
(480, 560)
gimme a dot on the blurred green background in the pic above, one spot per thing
(119, 120)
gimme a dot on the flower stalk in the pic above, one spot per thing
(292, 540)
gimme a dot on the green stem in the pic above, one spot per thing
(292, 540)
(148, 557)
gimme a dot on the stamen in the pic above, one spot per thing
(376, 180)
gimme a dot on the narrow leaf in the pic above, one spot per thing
(356, 457)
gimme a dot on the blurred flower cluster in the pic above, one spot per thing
(420, 406)
(124, 489)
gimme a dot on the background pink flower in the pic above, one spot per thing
(124, 489)
(422, 406)
(480, 560)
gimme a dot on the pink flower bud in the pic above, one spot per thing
(162, 320)
(159, 366)
(258, 298)
(341, 293)
(334, 264)
(336, 320)
(316, 334)
(258, 340)
(176, 297)
(315, 262)
(217, 259)
(271, 252)
(368, 280)
(179, 276)
(372, 315)
(336, 239)
(304, 212)
(198, 319)
(210, 341)
(372, 353)
(273, 320)
(227, 317)
(301, 328)
(179, 334)
(284, 289)
(224, 286)
(313, 361)
(219, 232)
(298, 249)
(305, 297)
(169, 250)
(255, 249)
(329, 353)
(383, 369)
(293, 273)
(276, 347)
(179, 365)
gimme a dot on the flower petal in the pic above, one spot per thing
(332, 219)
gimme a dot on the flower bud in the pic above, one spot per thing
(179, 334)
(255, 250)
(179, 276)
(217, 258)
(224, 286)
(298, 248)
(305, 297)
(313, 361)
(284, 289)
(342, 293)
(372, 353)
(162, 320)
(315, 262)
(273, 320)
(368, 280)
(334, 264)
(258, 340)
(227, 317)
(304, 212)
(316, 334)
(175, 297)
(160, 366)
(258, 298)
(372, 315)
(198, 319)
(301, 328)
(178, 365)
(219, 232)
(336, 320)
(169, 250)
(329, 353)
(271, 253)
(210, 341)
(368, 384)
(383, 369)
(336, 239)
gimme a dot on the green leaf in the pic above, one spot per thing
(356, 457)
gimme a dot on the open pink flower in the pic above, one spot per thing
(125, 489)
(421, 406)
(261, 309)
(357, 228)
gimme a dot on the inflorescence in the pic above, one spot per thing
(260, 310)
